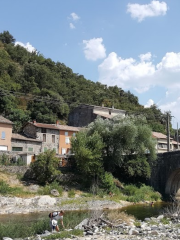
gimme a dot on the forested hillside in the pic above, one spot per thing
(33, 87)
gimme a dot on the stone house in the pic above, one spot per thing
(5, 134)
(52, 136)
(161, 143)
(48, 134)
(84, 114)
(23, 144)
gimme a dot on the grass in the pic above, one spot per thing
(46, 190)
(117, 217)
(21, 230)
(6, 189)
(71, 193)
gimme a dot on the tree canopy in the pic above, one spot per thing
(46, 90)
(122, 143)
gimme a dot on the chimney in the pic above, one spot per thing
(57, 122)
(34, 121)
(102, 104)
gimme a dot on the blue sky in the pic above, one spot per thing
(133, 44)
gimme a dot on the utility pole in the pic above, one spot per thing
(177, 138)
(168, 134)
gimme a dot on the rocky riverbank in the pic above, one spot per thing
(16, 205)
(149, 229)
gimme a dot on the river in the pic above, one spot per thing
(140, 211)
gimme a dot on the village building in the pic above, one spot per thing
(161, 143)
(84, 114)
(53, 136)
(5, 134)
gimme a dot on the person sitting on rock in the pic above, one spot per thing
(54, 217)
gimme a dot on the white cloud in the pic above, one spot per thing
(71, 25)
(153, 9)
(27, 46)
(149, 103)
(94, 49)
(141, 75)
(145, 57)
(74, 16)
(126, 73)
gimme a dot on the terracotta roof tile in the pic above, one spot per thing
(24, 138)
(55, 126)
(159, 135)
(5, 120)
(68, 128)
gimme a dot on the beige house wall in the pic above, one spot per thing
(7, 128)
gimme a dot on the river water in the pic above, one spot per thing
(140, 211)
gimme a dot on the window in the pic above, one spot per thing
(43, 130)
(67, 140)
(17, 149)
(66, 133)
(63, 150)
(3, 135)
(53, 138)
(74, 134)
(45, 149)
(44, 137)
(162, 145)
(30, 149)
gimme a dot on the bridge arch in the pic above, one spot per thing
(173, 183)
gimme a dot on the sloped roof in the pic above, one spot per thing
(159, 135)
(23, 138)
(5, 120)
(44, 125)
(55, 126)
(174, 142)
(68, 128)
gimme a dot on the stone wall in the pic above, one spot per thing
(36, 146)
(14, 169)
(81, 117)
(30, 130)
(165, 176)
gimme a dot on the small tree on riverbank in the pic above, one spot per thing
(45, 168)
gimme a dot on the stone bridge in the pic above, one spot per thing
(165, 177)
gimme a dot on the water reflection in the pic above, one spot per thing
(142, 211)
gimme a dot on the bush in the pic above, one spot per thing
(130, 190)
(4, 160)
(108, 181)
(45, 168)
(71, 193)
(47, 188)
(4, 188)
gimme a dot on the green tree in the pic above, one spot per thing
(88, 154)
(45, 168)
(124, 137)
(6, 37)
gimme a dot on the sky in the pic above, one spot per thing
(134, 44)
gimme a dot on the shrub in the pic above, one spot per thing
(108, 181)
(4, 159)
(130, 190)
(47, 188)
(71, 193)
(4, 188)
(45, 167)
